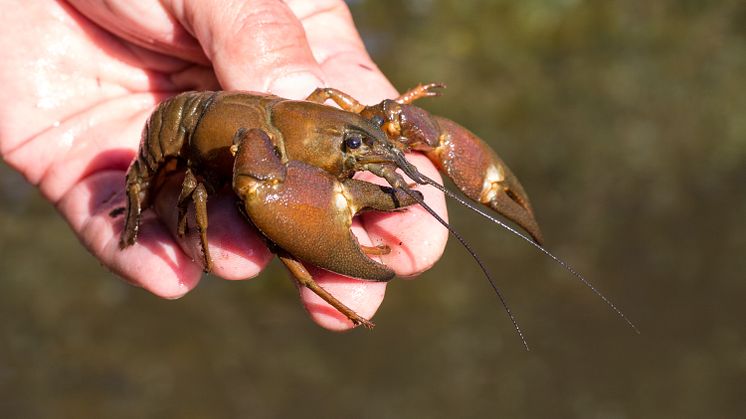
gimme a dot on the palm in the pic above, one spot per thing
(75, 100)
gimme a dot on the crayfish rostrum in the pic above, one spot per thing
(291, 163)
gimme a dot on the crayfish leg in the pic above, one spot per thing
(138, 182)
(194, 189)
(379, 250)
(200, 210)
(187, 188)
(304, 278)
(422, 90)
(342, 99)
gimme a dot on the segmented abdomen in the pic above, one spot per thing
(170, 127)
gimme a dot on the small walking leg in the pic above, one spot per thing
(304, 278)
(422, 90)
(343, 100)
(138, 183)
(194, 189)
(187, 188)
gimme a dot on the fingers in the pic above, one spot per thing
(155, 262)
(146, 23)
(254, 45)
(339, 50)
(289, 50)
(159, 261)
(363, 297)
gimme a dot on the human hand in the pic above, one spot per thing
(80, 78)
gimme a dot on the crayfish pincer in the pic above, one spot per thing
(291, 163)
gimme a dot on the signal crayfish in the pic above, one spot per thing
(291, 163)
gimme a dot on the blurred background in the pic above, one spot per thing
(625, 121)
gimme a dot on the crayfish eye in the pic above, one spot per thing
(353, 141)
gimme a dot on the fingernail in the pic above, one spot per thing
(295, 85)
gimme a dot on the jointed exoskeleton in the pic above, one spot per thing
(291, 162)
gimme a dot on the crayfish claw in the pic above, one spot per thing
(515, 207)
(482, 176)
(306, 211)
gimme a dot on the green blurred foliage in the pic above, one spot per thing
(626, 123)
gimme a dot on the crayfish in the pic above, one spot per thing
(291, 165)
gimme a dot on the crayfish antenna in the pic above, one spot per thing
(473, 254)
(426, 180)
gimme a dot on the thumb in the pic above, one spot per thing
(255, 45)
